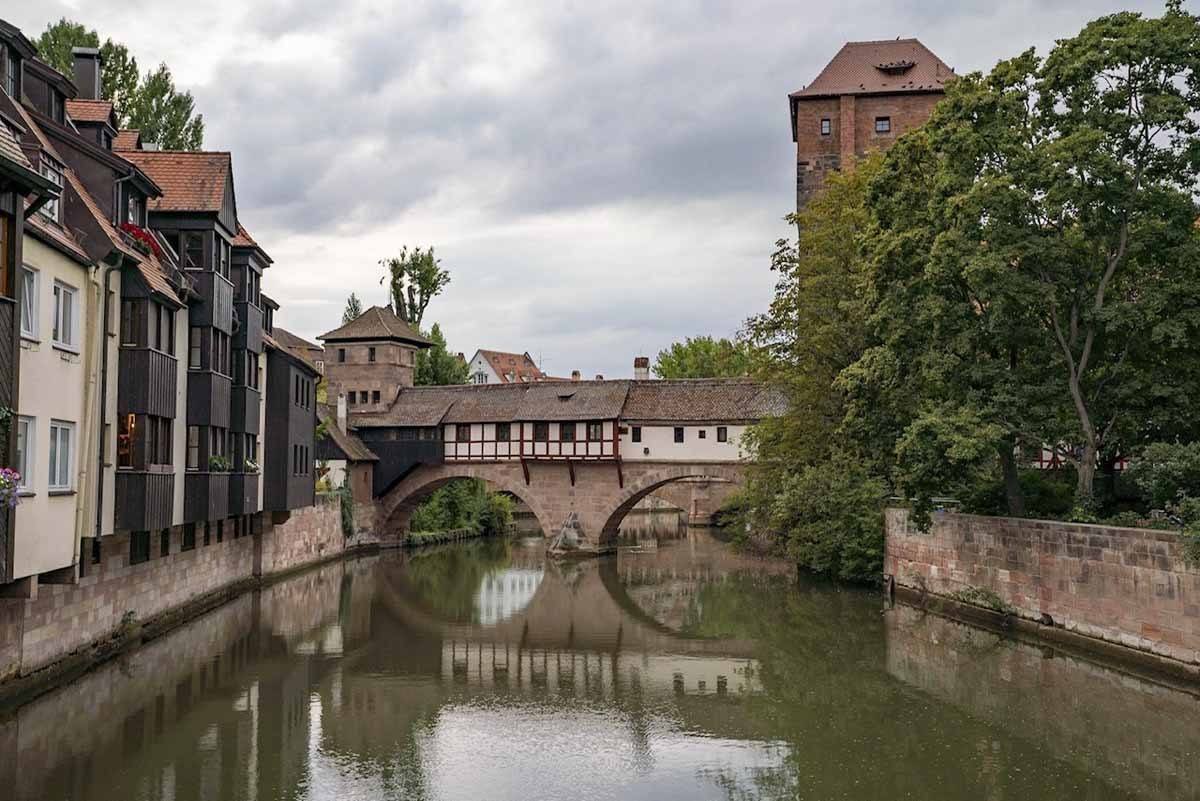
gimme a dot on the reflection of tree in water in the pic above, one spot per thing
(447, 577)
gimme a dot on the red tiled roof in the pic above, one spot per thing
(520, 366)
(377, 322)
(296, 353)
(127, 139)
(347, 442)
(191, 180)
(244, 240)
(89, 110)
(890, 65)
(56, 234)
(290, 340)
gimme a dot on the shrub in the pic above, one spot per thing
(1165, 472)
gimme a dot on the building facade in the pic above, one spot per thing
(870, 94)
(370, 358)
(498, 367)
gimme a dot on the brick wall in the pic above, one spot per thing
(64, 619)
(1128, 586)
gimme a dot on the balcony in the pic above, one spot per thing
(217, 308)
(209, 397)
(244, 415)
(146, 382)
(145, 500)
(243, 493)
(205, 496)
(249, 333)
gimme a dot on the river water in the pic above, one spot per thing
(675, 670)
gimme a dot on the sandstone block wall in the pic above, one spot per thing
(63, 619)
(1128, 586)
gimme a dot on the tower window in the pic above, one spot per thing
(883, 125)
(826, 126)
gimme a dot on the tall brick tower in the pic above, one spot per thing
(866, 97)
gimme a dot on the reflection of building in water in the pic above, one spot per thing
(504, 593)
(573, 672)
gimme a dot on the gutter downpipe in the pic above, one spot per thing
(108, 271)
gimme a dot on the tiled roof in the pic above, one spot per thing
(279, 339)
(56, 235)
(415, 406)
(191, 180)
(244, 240)
(496, 404)
(127, 139)
(573, 400)
(702, 400)
(518, 365)
(10, 148)
(890, 65)
(290, 340)
(114, 238)
(377, 322)
(89, 110)
(347, 442)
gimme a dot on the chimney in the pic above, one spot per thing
(87, 72)
(341, 411)
(576, 375)
(641, 368)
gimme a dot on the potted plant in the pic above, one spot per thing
(218, 464)
(10, 483)
(250, 466)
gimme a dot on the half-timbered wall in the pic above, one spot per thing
(568, 440)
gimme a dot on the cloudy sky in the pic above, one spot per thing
(600, 178)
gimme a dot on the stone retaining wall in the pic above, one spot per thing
(114, 597)
(1123, 585)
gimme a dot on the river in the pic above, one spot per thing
(675, 670)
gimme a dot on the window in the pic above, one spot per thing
(595, 431)
(29, 303)
(252, 370)
(462, 432)
(207, 533)
(223, 249)
(375, 396)
(139, 547)
(194, 349)
(193, 448)
(25, 440)
(164, 543)
(56, 106)
(165, 330)
(637, 433)
(503, 432)
(65, 316)
(341, 355)
(131, 314)
(6, 230)
(187, 542)
(12, 74)
(62, 436)
(883, 125)
(220, 530)
(54, 174)
(679, 433)
(541, 432)
(722, 434)
(220, 353)
(126, 431)
(566, 432)
(350, 396)
(826, 126)
(191, 248)
(370, 354)
(362, 396)
(133, 210)
(702, 433)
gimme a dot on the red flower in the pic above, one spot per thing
(142, 235)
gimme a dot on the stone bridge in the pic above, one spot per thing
(591, 497)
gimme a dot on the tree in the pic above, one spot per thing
(148, 103)
(703, 357)
(353, 310)
(414, 278)
(1054, 219)
(436, 365)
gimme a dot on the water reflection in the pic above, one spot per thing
(677, 670)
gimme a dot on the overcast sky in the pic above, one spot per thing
(601, 179)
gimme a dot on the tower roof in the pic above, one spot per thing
(880, 67)
(376, 323)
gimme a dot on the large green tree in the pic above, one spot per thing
(703, 357)
(413, 278)
(1036, 259)
(150, 103)
(436, 365)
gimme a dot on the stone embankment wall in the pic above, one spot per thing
(1122, 585)
(70, 626)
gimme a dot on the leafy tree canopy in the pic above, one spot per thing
(703, 357)
(353, 310)
(437, 366)
(414, 278)
(150, 103)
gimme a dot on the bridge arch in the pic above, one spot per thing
(642, 485)
(398, 504)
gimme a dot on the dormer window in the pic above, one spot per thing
(133, 210)
(56, 107)
(53, 172)
(12, 74)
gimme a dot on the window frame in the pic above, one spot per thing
(680, 435)
(59, 428)
(567, 431)
(635, 433)
(883, 125)
(596, 428)
(26, 457)
(70, 321)
(459, 428)
(30, 298)
(541, 432)
(826, 126)
(722, 434)
(53, 172)
(503, 432)
(186, 240)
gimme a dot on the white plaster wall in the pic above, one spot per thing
(481, 365)
(53, 386)
(112, 342)
(337, 472)
(660, 443)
